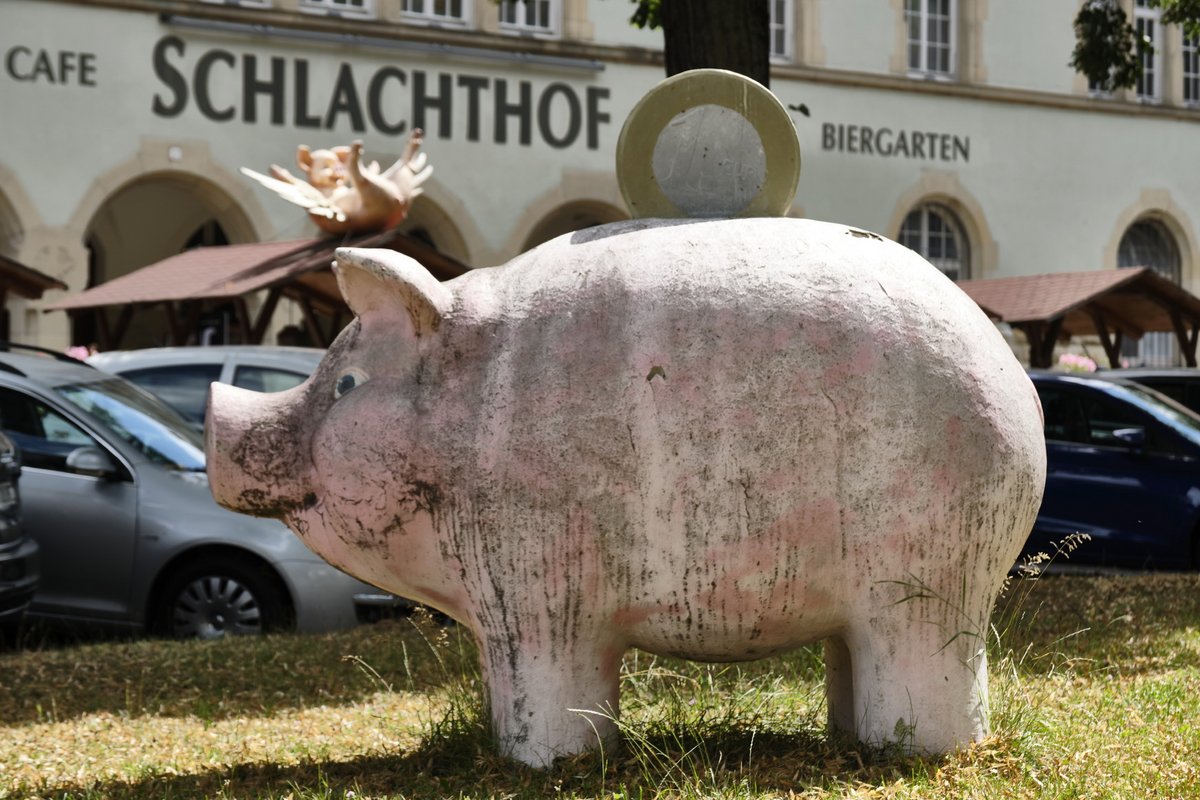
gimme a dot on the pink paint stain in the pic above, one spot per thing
(861, 362)
(632, 616)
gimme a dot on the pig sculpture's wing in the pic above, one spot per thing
(377, 283)
(410, 170)
(302, 194)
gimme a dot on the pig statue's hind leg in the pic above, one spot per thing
(552, 699)
(917, 678)
(839, 687)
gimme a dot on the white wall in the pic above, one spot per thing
(610, 20)
(858, 35)
(1028, 44)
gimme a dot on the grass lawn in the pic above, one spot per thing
(1095, 693)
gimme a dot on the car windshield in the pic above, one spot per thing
(140, 420)
(1166, 410)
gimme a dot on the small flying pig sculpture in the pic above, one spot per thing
(342, 195)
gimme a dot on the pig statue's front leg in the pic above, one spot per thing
(551, 698)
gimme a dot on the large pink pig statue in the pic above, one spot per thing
(718, 440)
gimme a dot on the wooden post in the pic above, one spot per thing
(242, 318)
(259, 329)
(1187, 339)
(1042, 338)
(312, 323)
(173, 324)
(117, 333)
(1111, 342)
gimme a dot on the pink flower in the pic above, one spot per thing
(1071, 362)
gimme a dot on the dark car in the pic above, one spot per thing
(1181, 384)
(18, 552)
(1123, 465)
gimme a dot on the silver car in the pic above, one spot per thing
(180, 375)
(115, 492)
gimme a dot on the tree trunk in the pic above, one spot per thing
(725, 34)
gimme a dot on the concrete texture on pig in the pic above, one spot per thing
(718, 440)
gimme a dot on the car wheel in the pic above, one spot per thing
(216, 597)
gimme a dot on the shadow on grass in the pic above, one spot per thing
(722, 763)
(231, 677)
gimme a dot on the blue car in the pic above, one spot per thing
(1123, 465)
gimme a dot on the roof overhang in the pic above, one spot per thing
(298, 267)
(299, 270)
(25, 281)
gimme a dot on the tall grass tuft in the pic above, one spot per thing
(1011, 652)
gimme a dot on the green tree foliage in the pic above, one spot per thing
(646, 14)
(1108, 49)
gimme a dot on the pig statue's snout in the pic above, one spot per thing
(253, 461)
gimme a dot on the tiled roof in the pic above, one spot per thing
(235, 269)
(1133, 300)
(1036, 297)
(201, 272)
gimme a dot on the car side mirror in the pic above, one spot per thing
(91, 461)
(1133, 438)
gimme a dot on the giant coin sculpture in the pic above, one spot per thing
(718, 439)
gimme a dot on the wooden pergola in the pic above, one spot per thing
(186, 284)
(1111, 304)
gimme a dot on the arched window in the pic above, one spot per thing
(1148, 243)
(936, 233)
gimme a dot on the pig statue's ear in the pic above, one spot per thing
(381, 283)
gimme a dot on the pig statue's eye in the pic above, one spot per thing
(347, 381)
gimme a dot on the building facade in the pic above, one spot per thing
(953, 126)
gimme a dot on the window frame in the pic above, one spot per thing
(921, 9)
(552, 29)
(1128, 249)
(954, 225)
(334, 8)
(242, 3)
(434, 20)
(1147, 22)
(1189, 48)
(1155, 348)
(786, 28)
